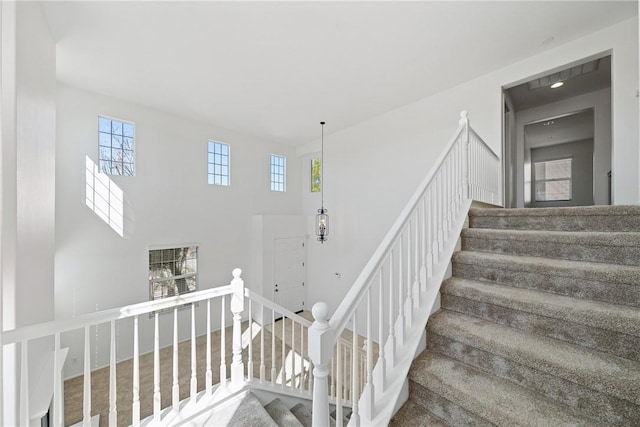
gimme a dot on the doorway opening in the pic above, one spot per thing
(557, 136)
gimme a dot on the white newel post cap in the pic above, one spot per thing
(237, 272)
(320, 312)
(464, 117)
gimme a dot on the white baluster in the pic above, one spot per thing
(381, 357)
(392, 338)
(339, 388)
(302, 362)
(409, 280)
(273, 347)
(283, 353)
(157, 401)
(135, 406)
(57, 382)
(86, 404)
(332, 373)
(368, 392)
(113, 390)
(293, 355)
(208, 380)
(417, 257)
(262, 367)
(237, 307)
(24, 381)
(401, 301)
(320, 349)
(223, 349)
(194, 379)
(355, 381)
(175, 389)
(250, 355)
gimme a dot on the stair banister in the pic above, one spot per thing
(466, 169)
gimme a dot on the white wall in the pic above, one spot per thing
(600, 101)
(28, 181)
(372, 169)
(168, 202)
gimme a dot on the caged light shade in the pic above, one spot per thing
(322, 225)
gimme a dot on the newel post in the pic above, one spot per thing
(237, 307)
(320, 350)
(464, 139)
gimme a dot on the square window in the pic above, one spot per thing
(173, 271)
(218, 163)
(113, 137)
(278, 176)
(553, 180)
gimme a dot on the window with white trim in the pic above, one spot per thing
(278, 173)
(116, 144)
(172, 271)
(218, 163)
(553, 180)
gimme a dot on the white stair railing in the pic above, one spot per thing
(392, 298)
(278, 330)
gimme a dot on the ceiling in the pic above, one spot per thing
(559, 130)
(273, 70)
(524, 98)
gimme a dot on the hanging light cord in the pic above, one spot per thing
(322, 170)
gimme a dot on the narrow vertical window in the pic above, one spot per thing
(316, 179)
(553, 180)
(218, 163)
(116, 142)
(278, 173)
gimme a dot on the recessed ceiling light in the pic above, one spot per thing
(556, 85)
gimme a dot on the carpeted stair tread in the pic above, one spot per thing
(302, 414)
(586, 218)
(281, 414)
(598, 371)
(413, 415)
(248, 413)
(495, 400)
(613, 317)
(617, 210)
(619, 284)
(608, 247)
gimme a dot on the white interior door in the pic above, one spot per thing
(290, 273)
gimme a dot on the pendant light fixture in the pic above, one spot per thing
(322, 219)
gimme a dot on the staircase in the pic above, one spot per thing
(249, 412)
(540, 323)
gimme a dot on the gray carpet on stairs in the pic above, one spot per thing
(540, 323)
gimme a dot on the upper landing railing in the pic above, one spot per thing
(278, 334)
(390, 301)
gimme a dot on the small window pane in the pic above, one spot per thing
(553, 180)
(113, 161)
(173, 271)
(278, 175)
(218, 163)
(315, 175)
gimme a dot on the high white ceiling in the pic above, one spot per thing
(273, 70)
(559, 130)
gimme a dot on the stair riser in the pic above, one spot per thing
(610, 409)
(619, 344)
(552, 281)
(443, 408)
(615, 223)
(576, 251)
